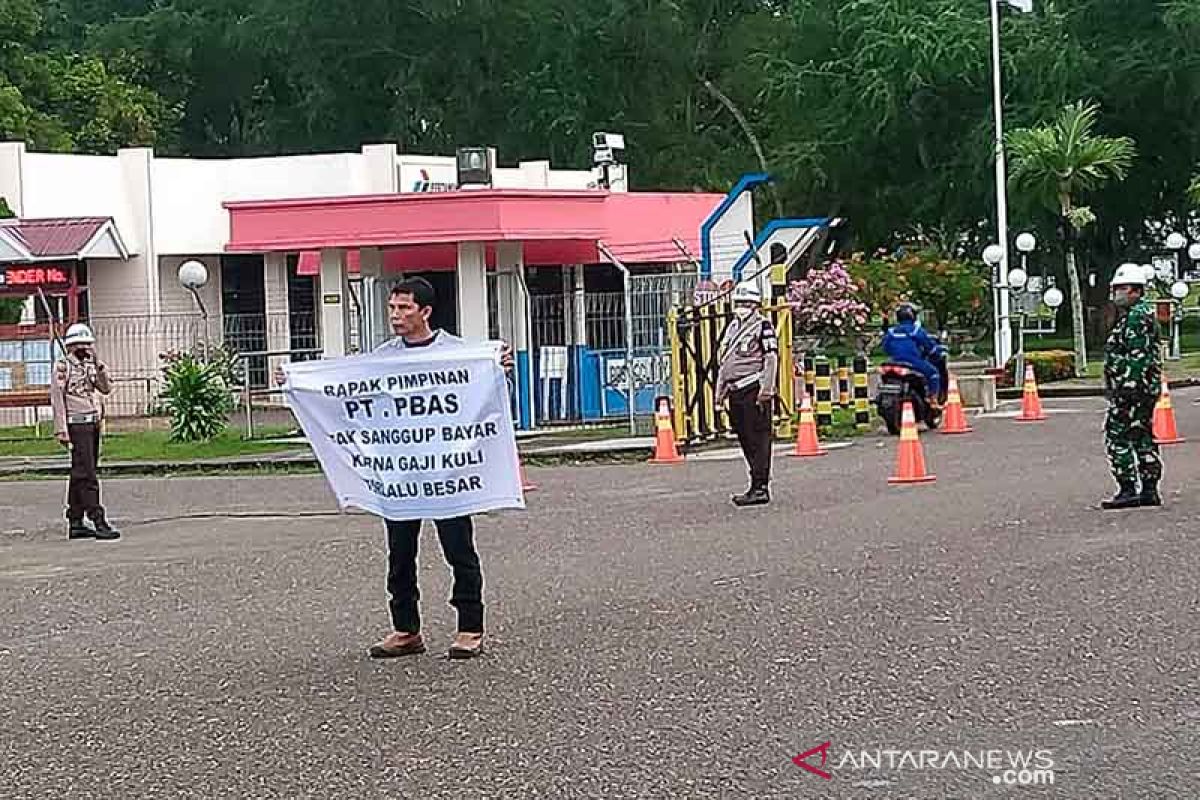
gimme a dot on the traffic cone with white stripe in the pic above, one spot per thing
(1165, 431)
(665, 449)
(910, 460)
(1031, 404)
(955, 418)
(808, 442)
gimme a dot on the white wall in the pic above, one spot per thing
(188, 194)
(12, 154)
(56, 185)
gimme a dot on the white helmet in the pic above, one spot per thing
(1129, 275)
(79, 334)
(747, 292)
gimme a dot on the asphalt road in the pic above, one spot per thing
(646, 639)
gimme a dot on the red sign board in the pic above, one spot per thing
(20, 277)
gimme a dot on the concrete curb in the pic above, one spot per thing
(1051, 391)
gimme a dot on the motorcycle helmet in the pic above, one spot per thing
(906, 312)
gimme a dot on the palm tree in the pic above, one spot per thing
(1056, 163)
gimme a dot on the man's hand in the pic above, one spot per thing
(766, 399)
(506, 357)
(280, 378)
(64, 438)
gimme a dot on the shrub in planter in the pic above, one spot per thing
(196, 396)
(1048, 366)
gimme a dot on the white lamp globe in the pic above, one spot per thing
(1150, 272)
(1026, 242)
(993, 254)
(1179, 290)
(1053, 298)
(1017, 278)
(1176, 241)
(1194, 252)
(193, 274)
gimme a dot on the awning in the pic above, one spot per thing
(556, 227)
(73, 238)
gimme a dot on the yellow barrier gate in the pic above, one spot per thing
(695, 340)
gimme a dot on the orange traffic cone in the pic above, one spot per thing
(526, 484)
(955, 418)
(1031, 404)
(808, 443)
(665, 451)
(910, 461)
(1164, 418)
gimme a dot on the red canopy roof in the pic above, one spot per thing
(61, 237)
(422, 230)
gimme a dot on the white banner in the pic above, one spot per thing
(411, 434)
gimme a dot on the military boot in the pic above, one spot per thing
(76, 529)
(1150, 495)
(1127, 497)
(104, 531)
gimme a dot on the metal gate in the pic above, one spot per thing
(696, 333)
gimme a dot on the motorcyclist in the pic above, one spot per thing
(908, 343)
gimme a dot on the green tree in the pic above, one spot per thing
(1058, 162)
(1194, 190)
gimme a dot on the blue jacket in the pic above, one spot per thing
(909, 343)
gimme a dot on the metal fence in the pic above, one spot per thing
(134, 346)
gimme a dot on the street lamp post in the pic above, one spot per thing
(1177, 242)
(1003, 338)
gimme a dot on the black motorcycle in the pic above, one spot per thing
(899, 382)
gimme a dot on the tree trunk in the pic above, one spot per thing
(1076, 311)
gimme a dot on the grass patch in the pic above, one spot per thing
(146, 446)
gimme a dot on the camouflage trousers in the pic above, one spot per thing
(1129, 441)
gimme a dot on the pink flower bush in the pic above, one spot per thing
(826, 303)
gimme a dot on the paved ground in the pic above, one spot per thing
(646, 639)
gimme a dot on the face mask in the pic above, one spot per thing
(742, 312)
(1122, 298)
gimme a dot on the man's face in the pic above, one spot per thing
(1125, 296)
(406, 316)
(81, 351)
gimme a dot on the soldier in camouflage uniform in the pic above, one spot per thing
(1132, 380)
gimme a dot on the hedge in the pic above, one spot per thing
(1048, 366)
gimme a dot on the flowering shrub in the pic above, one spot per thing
(951, 291)
(826, 303)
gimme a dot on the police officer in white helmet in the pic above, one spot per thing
(746, 380)
(78, 380)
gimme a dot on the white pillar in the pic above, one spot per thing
(576, 288)
(334, 296)
(514, 322)
(376, 329)
(278, 321)
(472, 291)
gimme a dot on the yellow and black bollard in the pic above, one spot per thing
(824, 382)
(843, 382)
(810, 376)
(862, 409)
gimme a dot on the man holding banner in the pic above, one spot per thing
(419, 429)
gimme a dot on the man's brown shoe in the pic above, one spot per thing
(397, 644)
(466, 645)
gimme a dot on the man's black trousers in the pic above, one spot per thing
(752, 423)
(457, 536)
